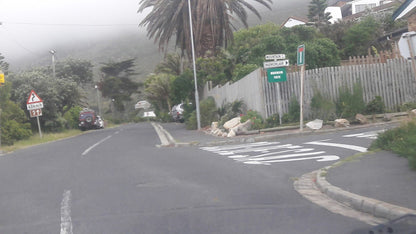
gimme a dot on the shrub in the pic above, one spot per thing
(294, 112)
(401, 140)
(407, 106)
(72, 116)
(375, 106)
(230, 110)
(208, 114)
(322, 108)
(13, 131)
(255, 117)
(272, 121)
(349, 104)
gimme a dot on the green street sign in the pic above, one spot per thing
(277, 74)
(301, 55)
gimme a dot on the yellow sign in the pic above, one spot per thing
(1, 78)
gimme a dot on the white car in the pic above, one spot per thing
(177, 112)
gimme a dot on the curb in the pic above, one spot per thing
(364, 204)
(276, 136)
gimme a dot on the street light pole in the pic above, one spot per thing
(53, 62)
(198, 118)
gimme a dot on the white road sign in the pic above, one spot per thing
(275, 56)
(281, 63)
(34, 106)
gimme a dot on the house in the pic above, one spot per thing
(407, 11)
(355, 10)
(294, 21)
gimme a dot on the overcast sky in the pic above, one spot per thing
(31, 27)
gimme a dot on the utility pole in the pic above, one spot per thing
(53, 62)
(198, 118)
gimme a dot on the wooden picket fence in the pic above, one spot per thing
(393, 80)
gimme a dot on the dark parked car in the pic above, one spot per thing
(89, 120)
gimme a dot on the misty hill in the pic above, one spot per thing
(136, 45)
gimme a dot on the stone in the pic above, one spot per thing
(361, 119)
(341, 123)
(412, 113)
(231, 133)
(315, 124)
(214, 125)
(242, 127)
(232, 123)
(387, 117)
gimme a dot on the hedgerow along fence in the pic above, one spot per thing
(393, 80)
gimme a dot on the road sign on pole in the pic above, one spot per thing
(35, 104)
(277, 74)
(301, 55)
(275, 56)
(272, 64)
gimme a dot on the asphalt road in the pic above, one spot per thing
(118, 181)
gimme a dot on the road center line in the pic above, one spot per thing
(95, 145)
(345, 146)
(66, 222)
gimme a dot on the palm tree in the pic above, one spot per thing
(212, 24)
(317, 12)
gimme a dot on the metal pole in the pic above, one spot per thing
(198, 118)
(279, 102)
(302, 77)
(40, 131)
(98, 100)
(53, 62)
(412, 56)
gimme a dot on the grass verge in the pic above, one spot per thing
(36, 140)
(400, 140)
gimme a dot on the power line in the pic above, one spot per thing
(67, 25)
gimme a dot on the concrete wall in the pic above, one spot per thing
(249, 89)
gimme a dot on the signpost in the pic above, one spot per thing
(276, 73)
(301, 62)
(34, 105)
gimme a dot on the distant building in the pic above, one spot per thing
(407, 11)
(294, 21)
(335, 13)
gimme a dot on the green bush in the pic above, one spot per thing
(375, 106)
(272, 121)
(407, 106)
(294, 112)
(72, 117)
(321, 107)
(229, 111)
(12, 131)
(401, 140)
(255, 117)
(349, 104)
(208, 114)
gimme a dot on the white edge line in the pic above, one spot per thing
(95, 145)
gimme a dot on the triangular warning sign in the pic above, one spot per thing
(33, 98)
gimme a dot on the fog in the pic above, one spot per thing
(30, 28)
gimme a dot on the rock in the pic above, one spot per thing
(214, 125)
(231, 133)
(387, 117)
(361, 119)
(224, 134)
(242, 127)
(341, 123)
(315, 125)
(413, 113)
(232, 123)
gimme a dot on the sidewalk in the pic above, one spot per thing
(379, 183)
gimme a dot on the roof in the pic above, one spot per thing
(305, 21)
(406, 9)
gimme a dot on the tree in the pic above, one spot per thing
(172, 64)
(117, 84)
(359, 37)
(317, 13)
(79, 71)
(212, 24)
(158, 90)
(4, 66)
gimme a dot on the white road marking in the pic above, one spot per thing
(265, 153)
(345, 146)
(95, 145)
(66, 222)
(370, 135)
